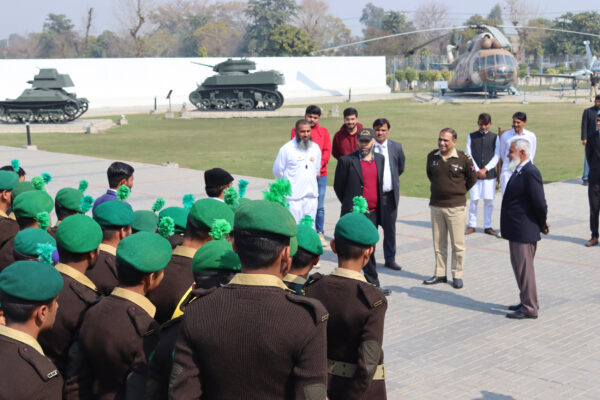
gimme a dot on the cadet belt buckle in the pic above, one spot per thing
(347, 370)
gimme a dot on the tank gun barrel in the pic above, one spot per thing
(204, 65)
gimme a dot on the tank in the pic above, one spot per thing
(46, 101)
(235, 88)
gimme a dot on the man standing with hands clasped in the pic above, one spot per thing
(451, 174)
(522, 218)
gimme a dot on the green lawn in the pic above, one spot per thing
(249, 146)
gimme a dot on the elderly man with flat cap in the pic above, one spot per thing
(216, 181)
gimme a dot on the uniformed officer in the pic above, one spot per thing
(28, 293)
(69, 201)
(253, 338)
(307, 256)
(34, 244)
(178, 274)
(31, 210)
(115, 218)
(357, 311)
(77, 239)
(213, 266)
(119, 332)
(8, 222)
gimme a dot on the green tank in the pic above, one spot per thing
(235, 88)
(46, 100)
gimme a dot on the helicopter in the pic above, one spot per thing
(592, 65)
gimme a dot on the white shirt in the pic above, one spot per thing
(301, 167)
(387, 172)
(505, 145)
(493, 162)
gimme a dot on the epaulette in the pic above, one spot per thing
(313, 278)
(317, 309)
(143, 325)
(199, 292)
(372, 294)
(166, 325)
(42, 365)
(87, 295)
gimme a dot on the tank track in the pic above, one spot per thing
(240, 98)
(59, 112)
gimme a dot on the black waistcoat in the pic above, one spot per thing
(483, 147)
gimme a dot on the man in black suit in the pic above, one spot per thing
(361, 174)
(592, 154)
(393, 168)
(588, 127)
(522, 218)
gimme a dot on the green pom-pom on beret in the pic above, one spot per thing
(30, 203)
(216, 256)
(45, 251)
(114, 213)
(86, 203)
(123, 192)
(188, 201)
(38, 183)
(46, 177)
(145, 220)
(15, 165)
(43, 220)
(278, 190)
(307, 220)
(358, 228)
(8, 180)
(206, 211)
(220, 229)
(144, 251)
(231, 198)
(31, 280)
(179, 215)
(158, 204)
(166, 227)
(265, 216)
(308, 239)
(69, 198)
(79, 233)
(242, 184)
(83, 185)
(360, 205)
(26, 241)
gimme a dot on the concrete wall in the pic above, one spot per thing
(127, 82)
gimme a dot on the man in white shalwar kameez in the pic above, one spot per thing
(299, 161)
(519, 122)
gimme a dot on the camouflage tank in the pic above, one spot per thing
(46, 101)
(235, 88)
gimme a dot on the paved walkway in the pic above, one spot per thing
(440, 343)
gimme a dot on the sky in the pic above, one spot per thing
(27, 16)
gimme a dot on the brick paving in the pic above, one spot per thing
(440, 343)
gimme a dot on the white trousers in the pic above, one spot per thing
(488, 208)
(504, 177)
(305, 206)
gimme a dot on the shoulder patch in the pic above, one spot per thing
(86, 294)
(372, 295)
(313, 278)
(144, 325)
(42, 365)
(317, 309)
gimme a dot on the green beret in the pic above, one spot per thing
(79, 233)
(29, 204)
(31, 280)
(8, 180)
(145, 220)
(144, 251)
(205, 211)
(293, 246)
(69, 198)
(179, 215)
(114, 213)
(357, 228)
(309, 240)
(216, 256)
(27, 240)
(265, 216)
(22, 187)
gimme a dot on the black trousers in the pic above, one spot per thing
(594, 199)
(389, 213)
(370, 270)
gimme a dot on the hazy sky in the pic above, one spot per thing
(26, 16)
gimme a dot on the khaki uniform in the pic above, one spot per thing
(354, 334)
(77, 295)
(104, 272)
(115, 338)
(25, 372)
(177, 280)
(8, 227)
(451, 178)
(295, 283)
(251, 339)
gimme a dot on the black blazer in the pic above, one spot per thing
(348, 181)
(524, 209)
(397, 160)
(588, 122)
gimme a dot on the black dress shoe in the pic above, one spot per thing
(457, 283)
(435, 279)
(386, 292)
(393, 265)
(516, 307)
(520, 315)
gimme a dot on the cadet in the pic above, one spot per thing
(77, 237)
(180, 217)
(253, 338)
(117, 334)
(213, 265)
(69, 201)
(307, 256)
(357, 310)
(8, 222)
(147, 220)
(34, 244)
(115, 218)
(178, 274)
(31, 210)
(28, 291)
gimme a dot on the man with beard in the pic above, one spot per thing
(299, 161)
(522, 218)
(344, 141)
(518, 130)
(361, 174)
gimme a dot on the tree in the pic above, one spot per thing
(432, 15)
(569, 43)
(392, 22)
(288, 41)
(217, 39)
(323, 28)
(520, 13)
(372, 16)
(58, 39)
(264, 17)
(496, 14)
(134, 17)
